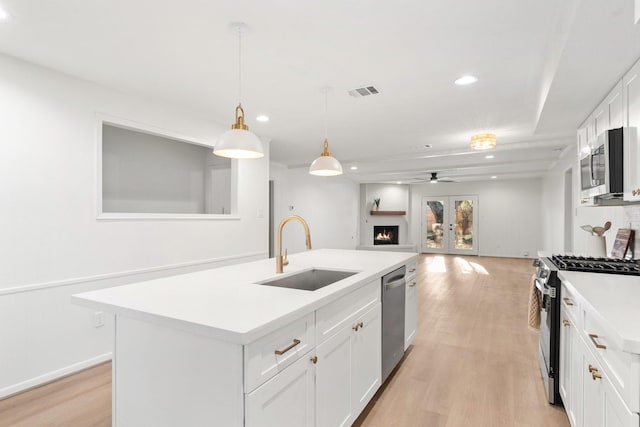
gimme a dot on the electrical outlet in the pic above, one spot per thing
(98, 319)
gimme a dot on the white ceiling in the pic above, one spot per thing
(542, 67)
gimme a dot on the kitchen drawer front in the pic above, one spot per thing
(571, 303)
(412, 269)
(332, 317)
(261, 358)
(621, 367)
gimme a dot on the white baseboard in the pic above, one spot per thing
(53, 375)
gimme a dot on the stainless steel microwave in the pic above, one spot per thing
(601, 171)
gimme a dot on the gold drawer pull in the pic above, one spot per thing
(592, 369)
(567, 301)
(565, 322)
(314, 359)
(293, 344)
(412, 270)
(596, 376)
(413, 284)
(596, 343)
(358, 326)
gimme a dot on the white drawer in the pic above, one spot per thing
(571, 304)
(332, 317)
(272, 353)
(412, 268)
(621, 367)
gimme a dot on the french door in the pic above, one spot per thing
(450, 225)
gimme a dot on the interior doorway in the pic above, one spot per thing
(450, 225)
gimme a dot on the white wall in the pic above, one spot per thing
(52, 245)
(553, 220)
(509, 213)
(393, 197)
(328, 204)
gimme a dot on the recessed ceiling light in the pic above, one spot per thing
(354, 168)
(3, 15)
(399, 182)
(466, 80)
(493, 177)
(490, 156)
(428, 145)
(262, 118)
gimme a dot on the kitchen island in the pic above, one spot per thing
(216, 348)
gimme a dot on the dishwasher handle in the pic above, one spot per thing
(394, 283)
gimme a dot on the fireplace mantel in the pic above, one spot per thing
(388, 213)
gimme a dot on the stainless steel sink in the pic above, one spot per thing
(309, 280)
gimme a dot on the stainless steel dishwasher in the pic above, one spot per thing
(393, 293)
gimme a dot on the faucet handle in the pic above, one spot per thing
(285, 260)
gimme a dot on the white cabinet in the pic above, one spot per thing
(348, 369)
(631, 104)
(288, 399)
(589, 395)
(333, 380)
(366, 364)
(411, 305)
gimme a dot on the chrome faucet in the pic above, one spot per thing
(280, 260)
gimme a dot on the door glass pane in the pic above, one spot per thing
(434, 211)
(463, 230)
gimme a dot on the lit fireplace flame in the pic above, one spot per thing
(386, 235)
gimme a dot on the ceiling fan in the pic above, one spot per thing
(434, 178)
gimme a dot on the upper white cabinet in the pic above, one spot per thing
(631, 104)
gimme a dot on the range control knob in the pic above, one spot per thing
(544, 274)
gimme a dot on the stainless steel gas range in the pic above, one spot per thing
(548, 283)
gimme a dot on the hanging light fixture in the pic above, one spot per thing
(483, 141)
(239, 142)
(325, 165)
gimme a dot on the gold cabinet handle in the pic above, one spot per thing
(592, 369)
(412, 270)
(314, 359)
(565, 322)
(293, 344)
(567, 301)
(412, 285)
(358, 326)
(593, 338)
(596, 376)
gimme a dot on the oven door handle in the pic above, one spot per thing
(543, 289)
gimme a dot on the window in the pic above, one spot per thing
(147, 173)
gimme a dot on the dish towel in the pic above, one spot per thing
(535, 299)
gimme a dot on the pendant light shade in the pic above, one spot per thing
(239, 142)
(325, 165)
(483, 141)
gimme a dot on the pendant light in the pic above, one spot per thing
(239, 142)
(325, 165)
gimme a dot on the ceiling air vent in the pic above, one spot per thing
(363, 91)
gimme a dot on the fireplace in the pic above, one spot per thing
(385, 234)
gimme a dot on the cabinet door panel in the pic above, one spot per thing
(576, 384)
(333, 380)
(366, 365)
(288, 399)
(411, 312)
(565, 359)
(616, 413)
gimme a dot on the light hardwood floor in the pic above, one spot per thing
(473, 363)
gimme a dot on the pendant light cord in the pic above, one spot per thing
(239, 65)
(326, 116)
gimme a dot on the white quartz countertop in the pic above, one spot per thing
(615, 299)
(226, 304)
